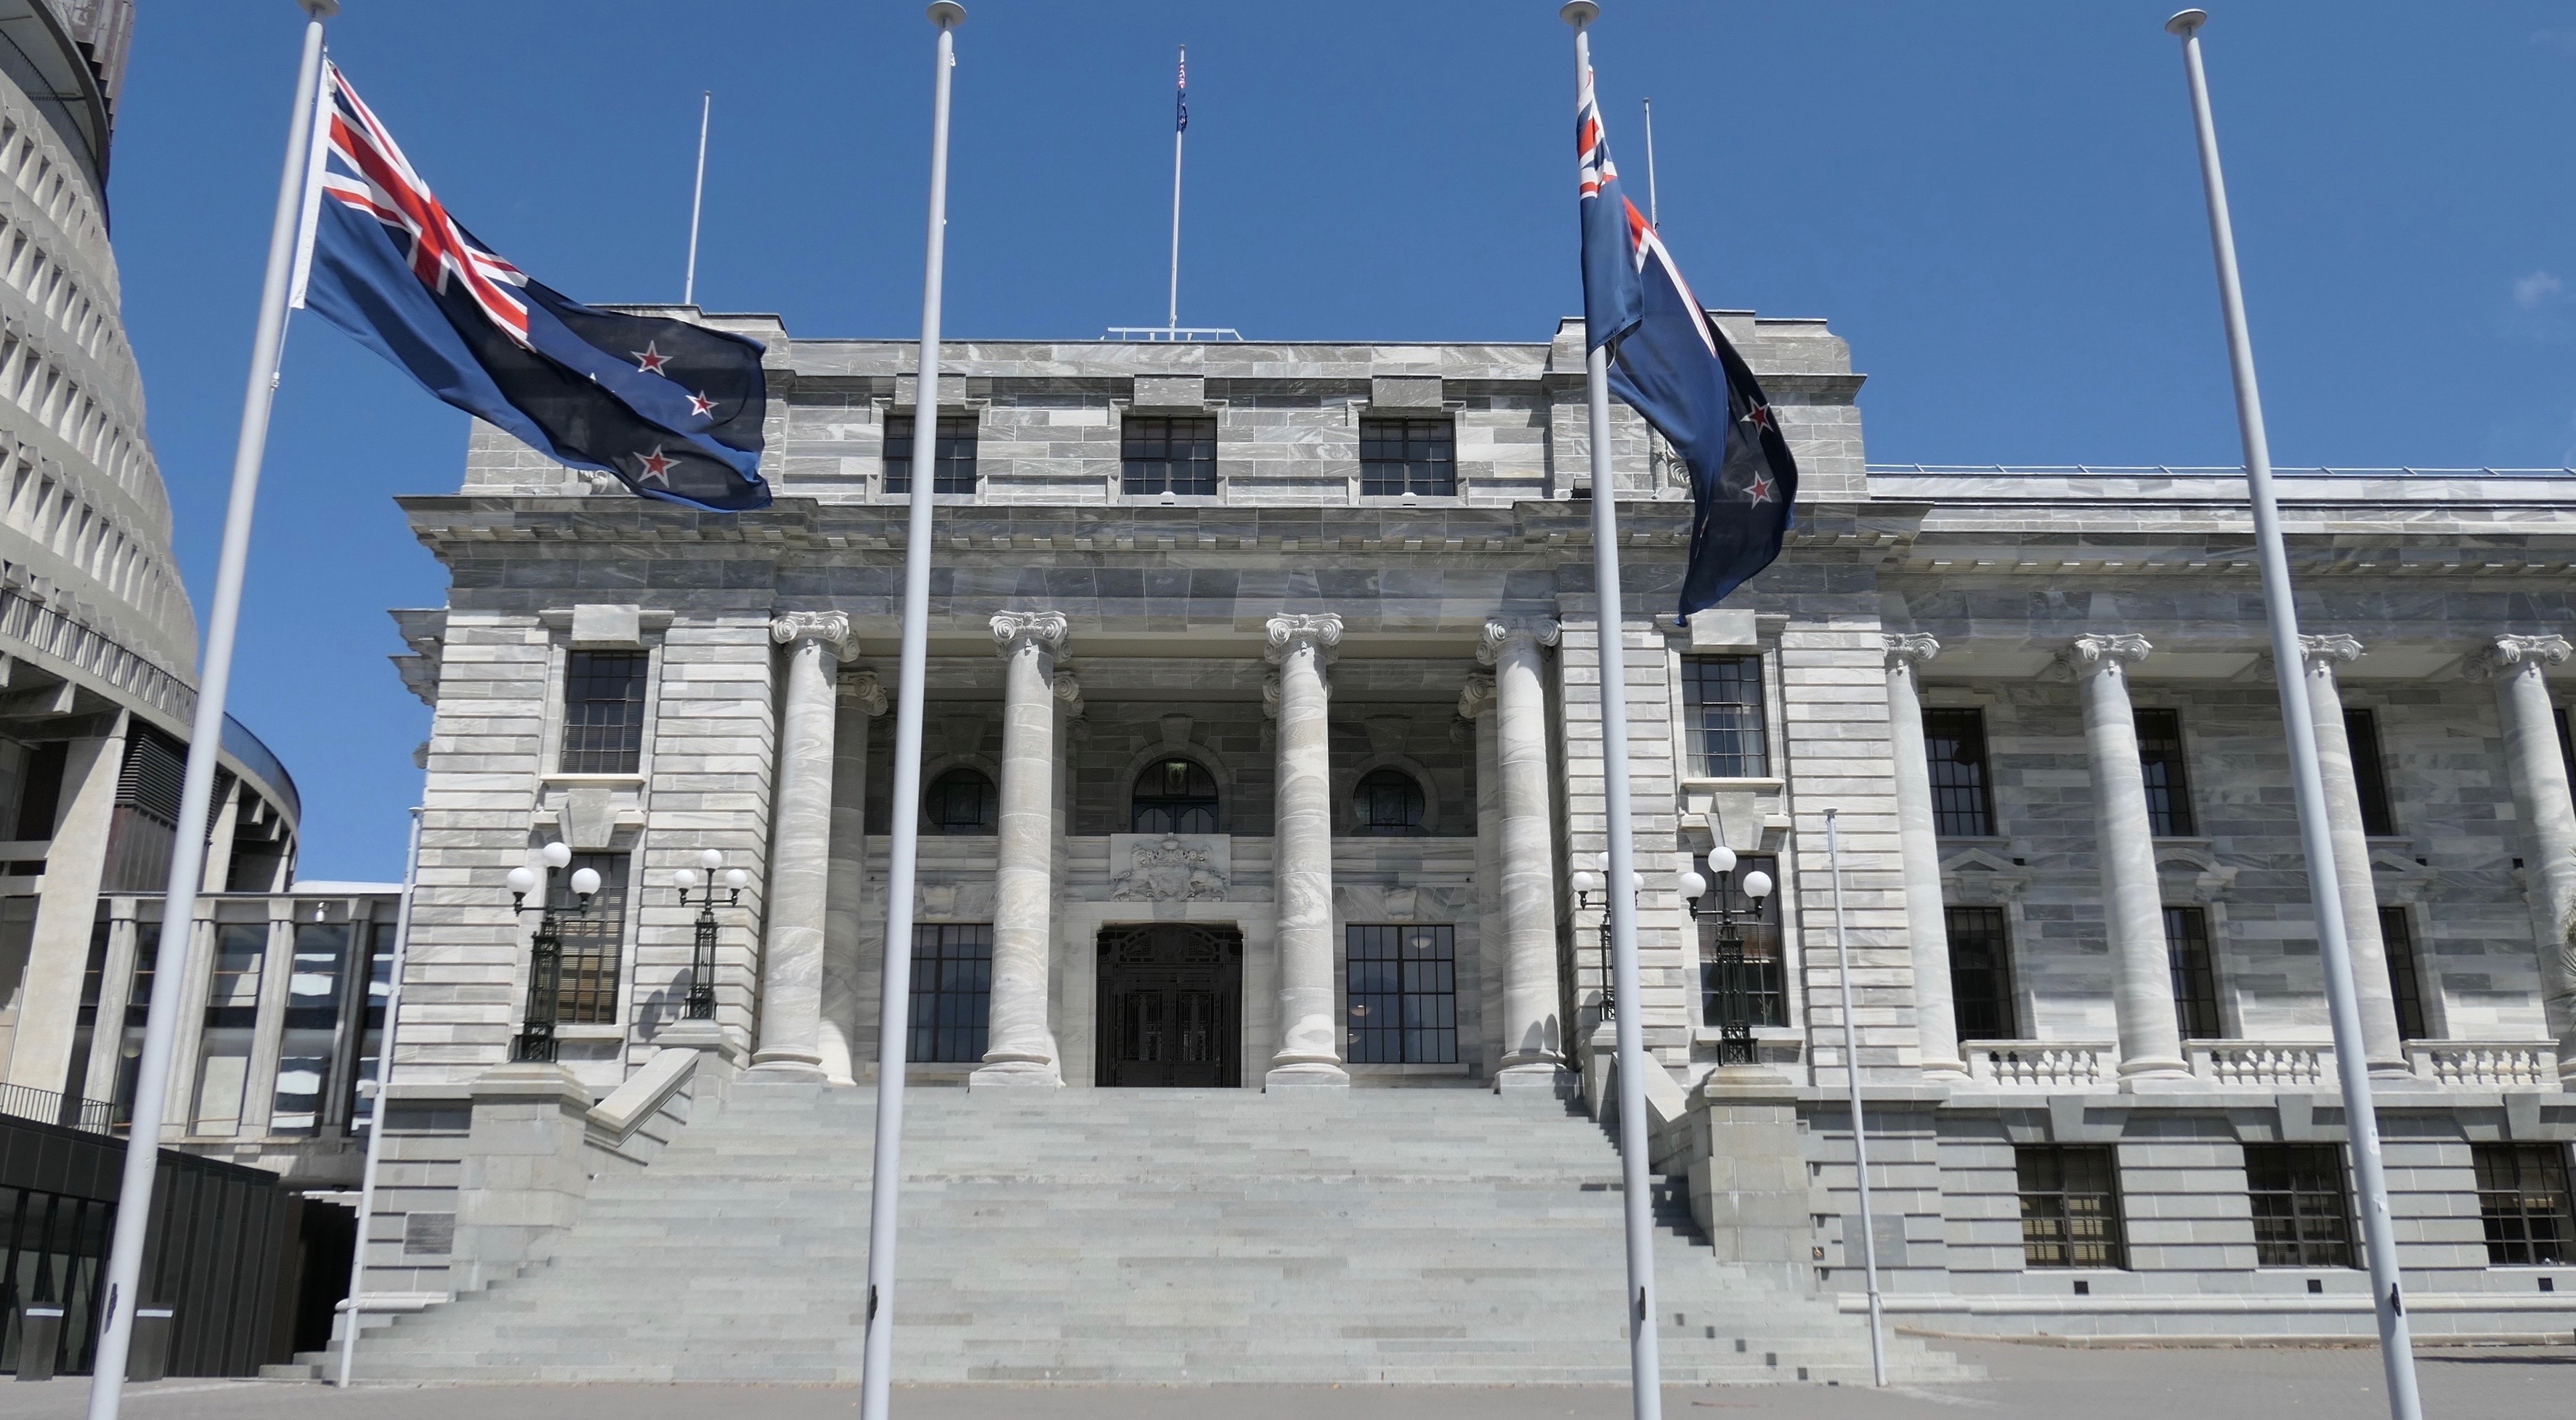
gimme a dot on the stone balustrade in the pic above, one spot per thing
(2041, 1064)
(2485, 1062)
(2260, 1062)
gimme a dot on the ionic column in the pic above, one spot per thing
(2133, 908)
(863, 699)
(1020, 1048)
(2376, 994)
(2540, 795)
(1309, 1030)
(1533, 1043)
(800, 844)
(1919, 845)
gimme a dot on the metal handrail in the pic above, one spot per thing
(51, 1107)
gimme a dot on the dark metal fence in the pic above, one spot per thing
(48, 1107)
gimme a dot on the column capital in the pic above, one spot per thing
(1068, 691)
(1499, 631)
(1477, 698)
(2093, 652)
(1290, 630)
(831, 628)
(1270, 696)
(1908, 648)
(864, 692)
(2498, 657)
(1044, 629)
(2320, 653)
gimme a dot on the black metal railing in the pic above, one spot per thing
(50, 1107)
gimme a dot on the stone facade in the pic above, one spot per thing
(1304, 647)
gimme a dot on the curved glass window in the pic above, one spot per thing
(1388, 801)
(1174, 796)
(960, 801)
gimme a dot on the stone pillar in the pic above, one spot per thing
(1476, 707)
(1310, 1036)
(1919, 846)
(2540, 795)
(58, 949)
(2133, 911)
(1533, 1037)
(862, 700)
(1021, 1047)
(800, 844)
(2376, 994)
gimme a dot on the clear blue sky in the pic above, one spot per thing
(1997, 205)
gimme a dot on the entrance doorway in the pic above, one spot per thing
(1171, 1006)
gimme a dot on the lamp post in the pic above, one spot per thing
(536, 1042)
(1734, 993)
(702, 960)
(1587, 881)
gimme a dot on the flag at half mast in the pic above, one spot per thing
(673, 409)
(1671, 363)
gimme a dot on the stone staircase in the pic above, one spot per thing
(1130, 1236)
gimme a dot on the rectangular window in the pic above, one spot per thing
(232, 1018)
(2070, 1205)
(952, 462)
(952, 990)
(1981, 991)
(604, 712)
(2195, 973)
(138, 1015)
(2302, 1211)
(2369, 772)
(1403, 995)
(1167, 453)
(1410, 455)
(1722, 717)
(1757, 993)
(2405, 978)
(592, 941)
(2522, 1198)
(305, 1051)
(2160, 756)
(1954, 747)
(370, 1044)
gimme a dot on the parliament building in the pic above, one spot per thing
(1257, 1014)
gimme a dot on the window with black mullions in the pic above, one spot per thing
(2302, 1210)
(2070, 1205)
(1167, 453)
(2160, 759)
(1173, 796)
(1981, 990)
(1388, 801)
(1722, 717)
(2523, 1200)
(952, 991)
(1760, 994)
(2369, 772)
(1403, 995)
(961, 800)
(1954, 747)
(2405, 977)
(2195, 973)
(593, 942)
(1408, 455)
(604, 712)
(952, 460)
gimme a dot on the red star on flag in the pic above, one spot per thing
(650, 360)
(1759, 416)
(1761, 489)
(700, 404)
(657, 466)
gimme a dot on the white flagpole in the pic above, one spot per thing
(1860, 1129)
(1645, 1367)
(1654, 216)
(885, 1186)
(354, 1307)
(697, 199)
(2397, 1352)
(205, 740)
(1172, 309)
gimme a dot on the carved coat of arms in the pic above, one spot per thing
(1172, 871)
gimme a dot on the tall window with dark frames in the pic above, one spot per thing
(2160, 756)
(1954, 748)
(952, 461)
(1981, 989)
(2302, 1208)
(2195, 973)
(952, 991)
(1167, 453)
(2369, 772)
(1173, 796)
(1403, 994)
(592, 942)
(2405, 974)
(2523, 1200)
(603, 712)
(1755, 992)
(1722, 717)
(2070, 1205)
(1415, 454)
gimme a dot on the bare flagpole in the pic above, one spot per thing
(205, 740)
(885, 1187)
(355, 1305)
(1645, 1364)
(697, 198)
(1654, 218)
(2397, 1353)
(1180, 129)
(1860, 1128)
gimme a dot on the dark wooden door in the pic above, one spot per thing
(1171, 1006)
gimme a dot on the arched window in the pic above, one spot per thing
(1388, 801)
(1174, 796)
(960, 801)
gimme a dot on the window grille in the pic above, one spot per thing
(604, 712)
(592, 942)
(2160, 759)
(1388, 801)
(2522, 1199)
(1722, 717)
(1756, 993)
(952, 991)
(1403, 994)
(2369, 772)
(2070, 1206)
(1168, 453)
(2302, 1210)
(961, 800)
(2195, 973)
(1954, 744)
(952, 461)
(2405, 979)
(1981, 990)
(1409, 455)
(1173, 796)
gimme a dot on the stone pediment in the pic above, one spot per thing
(1170, 867)
(1976, 877)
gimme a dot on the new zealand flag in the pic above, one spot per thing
(672, 409)
(1671, 363)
